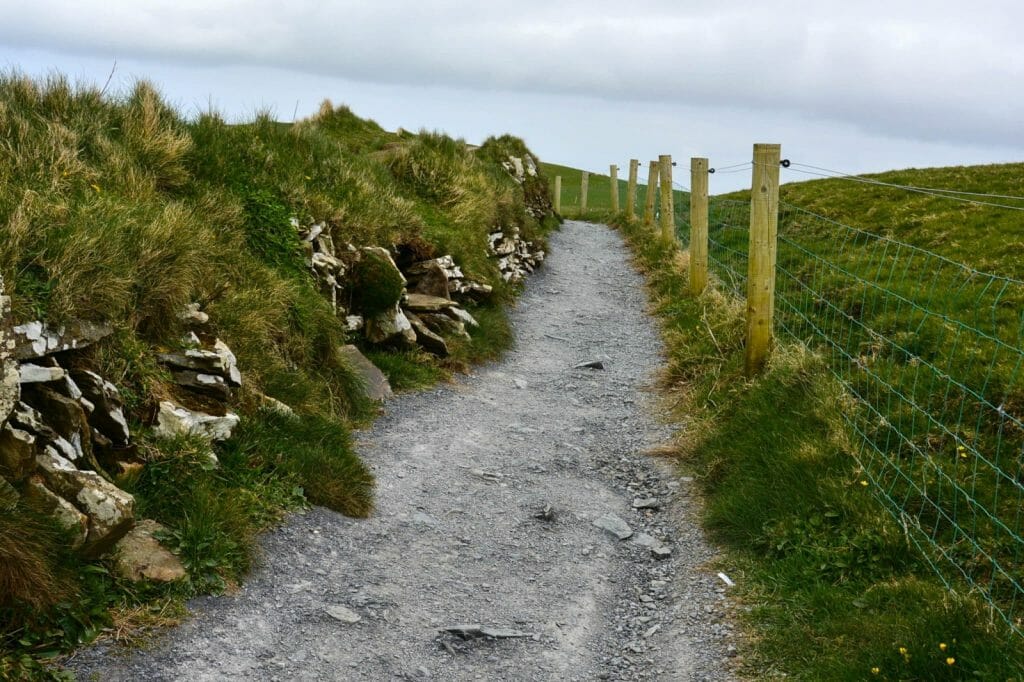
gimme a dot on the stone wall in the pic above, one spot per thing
(63, 432)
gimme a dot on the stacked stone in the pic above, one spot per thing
(535, 192)
(207, 372)
(425, 313)
(59, 425)
(63, 428)
(328, 267)
(516, 256)
(429, 309)
(443, 278)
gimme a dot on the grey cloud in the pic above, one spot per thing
(935, 71)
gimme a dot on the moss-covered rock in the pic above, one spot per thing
(376, 282)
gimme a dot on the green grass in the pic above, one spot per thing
(115, 208)
(930, 348)
(834, 586)
(985, 238)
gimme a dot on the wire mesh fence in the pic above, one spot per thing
(929, 352)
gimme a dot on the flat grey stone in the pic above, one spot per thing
(343, 614)
(36, 374)
(614, 525)
(374, 382)
(645, 540)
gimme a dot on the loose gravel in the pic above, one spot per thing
(483, 560)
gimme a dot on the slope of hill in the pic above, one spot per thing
(986, 237)
(182, 241)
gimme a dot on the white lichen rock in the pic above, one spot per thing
(62, 510)
(175, 420)
(391, 326)
(111, 511)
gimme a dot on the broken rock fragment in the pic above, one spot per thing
(175, 420)
(17, 452)
(613, 525)
(111, 511)
(374, 382)
(62, 510)
(37, 339)
(431, 342)
(36, 374)
(210, 385)
(107, 415)
(139, 556)
(391, 326)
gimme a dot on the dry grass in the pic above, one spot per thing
(29, 574)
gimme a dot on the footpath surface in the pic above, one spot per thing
(483, 560)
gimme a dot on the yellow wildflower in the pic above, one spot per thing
(875, 670)
(942, 646)
(950, 661)
(864, 483)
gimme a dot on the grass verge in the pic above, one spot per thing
(828, 585)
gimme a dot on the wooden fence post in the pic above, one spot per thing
(668, 223)
(652, 191)
(634, 165)
(764, 226)
(558, 194)
(698, 225)
(584, 182)
(613, 174)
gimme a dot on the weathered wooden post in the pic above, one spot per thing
(764, 226)
(613, 174)
(584, 182)
(668, 226)
(558, 194)
(698, 225)
(652, 191)
(634, 166)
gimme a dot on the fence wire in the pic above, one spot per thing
(930, 354)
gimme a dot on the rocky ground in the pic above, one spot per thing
(521, 533)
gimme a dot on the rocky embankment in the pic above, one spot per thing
(65, 437)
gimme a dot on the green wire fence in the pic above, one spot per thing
(929, 352)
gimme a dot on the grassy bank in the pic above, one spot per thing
(116, 209)
(829, 585)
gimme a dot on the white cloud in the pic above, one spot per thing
(945, 71)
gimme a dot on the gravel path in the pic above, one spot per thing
(488, 489)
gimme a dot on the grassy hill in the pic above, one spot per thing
(877, 442)
(115, 209)
(599, 200)
(985, 237)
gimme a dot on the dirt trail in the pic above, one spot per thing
(487, 493)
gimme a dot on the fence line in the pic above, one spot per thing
(929, 353)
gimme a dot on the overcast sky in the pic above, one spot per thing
(853, 85)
